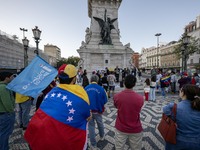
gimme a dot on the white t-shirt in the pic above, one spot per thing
(111, 80)
(158, 77)
(152, 84)
(173, 78)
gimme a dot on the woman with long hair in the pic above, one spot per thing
(187, 119)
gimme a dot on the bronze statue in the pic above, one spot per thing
(106, 26)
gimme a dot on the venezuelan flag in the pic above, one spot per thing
(60, 122)
(166, 78)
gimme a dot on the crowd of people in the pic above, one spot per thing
(167, 82)
(108, 78)
(66, 112)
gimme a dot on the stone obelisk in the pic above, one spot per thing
(102, 47)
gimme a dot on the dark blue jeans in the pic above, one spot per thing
(182, 145)
(91, 127)
(173, 87)
(163, 92)
(24, 110)
(7, 121)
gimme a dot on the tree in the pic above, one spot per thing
(73, 60)
(70, 60)
(192, 47)
(61, 61)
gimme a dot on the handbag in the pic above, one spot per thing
(167, 126)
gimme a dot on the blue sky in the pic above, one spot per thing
(63, 22)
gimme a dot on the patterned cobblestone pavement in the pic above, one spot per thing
(150, 116)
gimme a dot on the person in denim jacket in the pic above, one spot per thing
(187, 119)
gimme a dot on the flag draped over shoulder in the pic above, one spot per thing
(60, 122)
(34, 78)
(166, 80)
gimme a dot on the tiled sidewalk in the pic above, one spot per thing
(150, 116)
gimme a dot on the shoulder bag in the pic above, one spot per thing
(167, 126)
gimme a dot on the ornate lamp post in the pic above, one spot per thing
(185, 40)
(36, 34)
(157, 34)
(25, 43)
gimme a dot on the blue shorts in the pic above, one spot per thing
(111, 88)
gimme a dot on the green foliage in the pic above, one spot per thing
(70, 60)
(73, 60)
(62, 61)
(192, 47)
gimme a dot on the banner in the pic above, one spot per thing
(34, 78)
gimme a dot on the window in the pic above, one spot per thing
(106, 61)
(191, 61)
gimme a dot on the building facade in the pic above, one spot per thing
(162, 57)
(193, 30)
(150, 57)
(143, 59)
(135, 58)
(12, 52)
(168, 59)
(54, 54)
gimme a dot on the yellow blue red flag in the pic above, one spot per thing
(60, 122)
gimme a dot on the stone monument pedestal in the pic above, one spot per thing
(96, 55)
(101, 56)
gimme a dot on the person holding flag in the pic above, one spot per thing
(60, 122)
(164, 83)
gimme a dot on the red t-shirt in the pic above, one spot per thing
(193, 81)
(129, 105)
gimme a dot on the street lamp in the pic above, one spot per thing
(24, 30)
(158, 34)
(182, 54)
(185, 40)
(25, 43)
(36, 33)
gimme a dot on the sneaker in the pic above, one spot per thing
(102, 138)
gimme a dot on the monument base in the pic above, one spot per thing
(102, 46)
(105, 56)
